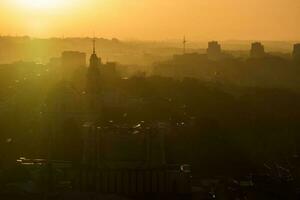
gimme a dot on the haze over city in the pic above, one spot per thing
(153, 19)
(149, 99)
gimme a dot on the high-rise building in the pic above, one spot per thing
(257, 50)
(296, 51)
(73, 58)
(93, 86)
(214, 50)
(71, 61)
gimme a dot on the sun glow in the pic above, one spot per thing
(40, 4)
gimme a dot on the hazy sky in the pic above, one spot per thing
(153, 19)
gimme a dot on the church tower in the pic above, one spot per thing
(93, 87)
(93, 74)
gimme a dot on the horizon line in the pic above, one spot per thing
(146, 40)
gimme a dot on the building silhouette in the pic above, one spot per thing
(70, 62)
(63, 117)
(93, 87)
(73, 58)
(93, 74)
(214, 50)
(257, 50)
(296, 51)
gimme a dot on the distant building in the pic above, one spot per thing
(214, 50)
(73, 58)
(108, 70)
(257, 50)
(296, 51)
(55, 62)
(99, 73)
(71, 61)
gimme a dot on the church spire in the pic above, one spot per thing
(94, 46)
(94, 60)
(93, 74)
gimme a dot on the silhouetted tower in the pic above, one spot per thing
(93, 87)
(184, 45)
(296, 52)
(214, 50)
(93, 74)
(257, 50)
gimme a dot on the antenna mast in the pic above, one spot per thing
(184, 45)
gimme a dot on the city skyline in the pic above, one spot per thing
(149, 99)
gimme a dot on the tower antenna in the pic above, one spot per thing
(184, 45)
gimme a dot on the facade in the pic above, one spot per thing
(125, 145)
(257, 50)
(130, 159)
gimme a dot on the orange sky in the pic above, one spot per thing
(153, 19)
